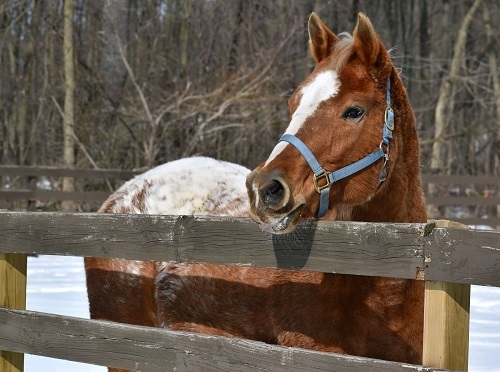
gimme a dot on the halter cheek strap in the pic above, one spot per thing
(323, 179)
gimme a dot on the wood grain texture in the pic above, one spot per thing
(12, 295)
(490, 221)
(13, 280)
(463, 256)
(392, 250)
(152, 349)
(446, 317)
(446, 325)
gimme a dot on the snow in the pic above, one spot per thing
(57, 285)
(484, 340)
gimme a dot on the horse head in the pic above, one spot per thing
(342, 121)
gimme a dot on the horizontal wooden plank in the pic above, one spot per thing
(152, 349)
(475, 180)
(50, 195)
(463, 200)
(14, 170)
(493, 222)
(376, 249)
(392, 250)
(463, 256)
(490, 221)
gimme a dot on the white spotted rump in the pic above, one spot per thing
(191, 186)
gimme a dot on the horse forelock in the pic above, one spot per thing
(341, 53)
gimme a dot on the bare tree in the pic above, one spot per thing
(445, 101)
(188, 79)
(492, 60)
(69, 105)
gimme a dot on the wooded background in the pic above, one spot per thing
(131, 84)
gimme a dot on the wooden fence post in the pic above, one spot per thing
(12, 295)
(446, 321)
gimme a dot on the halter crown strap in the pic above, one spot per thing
(323, 179)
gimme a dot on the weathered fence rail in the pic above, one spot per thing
(39, 171)
(484, 192)
(32, 193)
(374, 249)
(138, 348)
(454, 257)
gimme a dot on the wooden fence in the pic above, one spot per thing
(448, 259)
(477, 199)
(34, 173)
(484, 191)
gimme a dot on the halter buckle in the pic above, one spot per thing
(316, 177)
(389, 118)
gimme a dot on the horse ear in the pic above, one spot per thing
(321, 39)
(368, 44)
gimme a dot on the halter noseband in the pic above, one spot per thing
(332, 177)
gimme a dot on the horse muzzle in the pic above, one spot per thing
(272, 204)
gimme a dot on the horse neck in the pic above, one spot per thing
(400, 197)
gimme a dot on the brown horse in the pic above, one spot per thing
(350, 153)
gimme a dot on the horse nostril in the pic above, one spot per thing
(274, 193)
(274, 188)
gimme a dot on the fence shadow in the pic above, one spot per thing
(292, 250)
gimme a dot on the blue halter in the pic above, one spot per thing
(332, 177)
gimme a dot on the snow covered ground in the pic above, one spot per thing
(57, 285)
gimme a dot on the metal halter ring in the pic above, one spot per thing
(381, 147)
(325, 175)
(386, 152)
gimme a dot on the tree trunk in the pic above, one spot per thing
(69, 107)
(444, 106)
(184, 36)
(9, 138)
(492, 61)
(115, 30)
(234, 51)
(424, 70)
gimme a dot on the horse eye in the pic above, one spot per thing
(353, 113)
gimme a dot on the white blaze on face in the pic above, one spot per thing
(324, 86)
